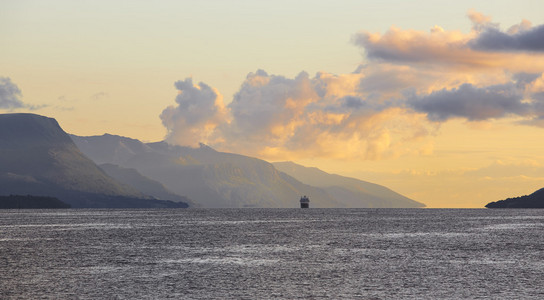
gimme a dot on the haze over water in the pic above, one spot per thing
(272, 253)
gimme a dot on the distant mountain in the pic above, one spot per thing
(217, 179)
(145, 185)
(208, 177)
(109, 148)
(350, 192)
(534, 200)
(38, 158)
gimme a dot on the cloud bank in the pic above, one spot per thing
(519, 38)
(472, 103)
(392, 104)
(275, 117)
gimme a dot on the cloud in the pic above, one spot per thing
(519, 38)
(9, 94)
(273, 116)
(269, 106)
(481, 75)
(387, 78)
(391, 105)
(198, 111)
(536, 121)
(486, 46)
(398, 45)
(522, 79)
(480, 21)
(99, 96)
(472, 103)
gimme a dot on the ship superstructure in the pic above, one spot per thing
(304, 202)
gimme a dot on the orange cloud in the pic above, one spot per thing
(482, 48)
(389, 107)
(275, 117)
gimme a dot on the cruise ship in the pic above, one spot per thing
(304, 202)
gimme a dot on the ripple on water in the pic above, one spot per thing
(272, 254)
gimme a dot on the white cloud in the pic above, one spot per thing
(9, 94)
(198, 111)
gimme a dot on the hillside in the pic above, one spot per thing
(534, 200)
(38, 158)
(145, 185)
(208, 177)
(349, 191)
(217, 179)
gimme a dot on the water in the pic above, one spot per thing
(271, 253)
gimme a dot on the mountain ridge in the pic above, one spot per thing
(38, 158)
(351, 191)
(209, 177)
(534, 200)
(145, 185)
(218, 179)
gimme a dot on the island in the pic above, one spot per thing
(28, 201)
(534, 200)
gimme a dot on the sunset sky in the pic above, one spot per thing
(442, 101)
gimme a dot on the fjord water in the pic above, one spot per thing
(272, 253)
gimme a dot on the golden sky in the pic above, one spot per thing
(441, 101)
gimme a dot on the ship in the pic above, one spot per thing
(304, 202)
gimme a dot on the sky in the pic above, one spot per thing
(441, 101)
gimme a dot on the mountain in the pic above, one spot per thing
(38, 158)
(534, 200)
(145, 185)
(109, 148)
(217, 179)
(210, 178)
(349, 191)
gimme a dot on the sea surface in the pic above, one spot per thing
(272, 254)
